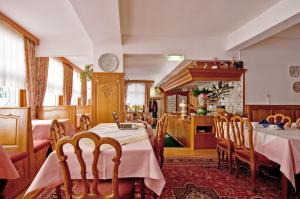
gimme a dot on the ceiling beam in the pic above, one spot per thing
(281, 16)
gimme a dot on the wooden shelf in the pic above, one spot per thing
(194, 73)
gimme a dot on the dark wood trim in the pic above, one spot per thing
(19, 28)
(66, 61)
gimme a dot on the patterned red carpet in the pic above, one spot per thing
(200, 178)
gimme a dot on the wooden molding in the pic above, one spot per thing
(66, 61)
(19, 28)
(187, 75)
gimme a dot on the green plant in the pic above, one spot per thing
(197, 91)
(86, 74)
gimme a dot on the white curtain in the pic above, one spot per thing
(12, 58)
(76, 89)
(135, 94)
(55, 82)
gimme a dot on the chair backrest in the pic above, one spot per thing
(222, 127)
(242, 131)
(298, 123)
(280, 118)
(57, 131)
(159, 139)
(57, 112)
(90, 188)
(85, 122)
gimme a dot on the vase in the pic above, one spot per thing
(202, 104)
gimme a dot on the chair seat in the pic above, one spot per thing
(15, 156)
(40, 144)
(259, 158)
(224, 144)
(126, 187)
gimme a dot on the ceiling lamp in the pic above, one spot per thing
(175, 57)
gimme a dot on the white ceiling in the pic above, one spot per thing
(188, 18)
(142, 32)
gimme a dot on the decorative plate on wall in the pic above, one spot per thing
(294, 71)
(108, 62)
(296, 87)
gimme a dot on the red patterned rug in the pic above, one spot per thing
(200, 178)
(195, 178)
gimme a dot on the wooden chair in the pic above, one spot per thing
(57, 131)
(159, 140)
(85, 122)
(224, 143)
(92, 188)
(298, 123)
(280, 118)
(244, 151)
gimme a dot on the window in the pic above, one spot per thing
(12, 65)
(76, 92)
(89, 91)
(54, 82)
(135, 94)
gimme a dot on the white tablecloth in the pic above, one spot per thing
(138, 160)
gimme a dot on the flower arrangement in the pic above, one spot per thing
(196, 92)
(86, 74)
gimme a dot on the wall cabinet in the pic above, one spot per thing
(107, 97)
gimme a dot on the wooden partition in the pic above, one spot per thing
(258, 112)
(16, 138)
(84, 109)
(57, 112)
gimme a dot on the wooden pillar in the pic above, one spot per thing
(79, 101)
(60, 100)
(22, 98)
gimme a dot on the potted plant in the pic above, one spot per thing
(86, 74)
(202, 95)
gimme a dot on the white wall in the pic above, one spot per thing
(268, 65)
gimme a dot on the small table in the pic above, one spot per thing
(40, 128)
(7, 170)
(138, 160)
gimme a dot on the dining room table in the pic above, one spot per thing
(7, 170)
(40, 128)
(282, 146)
(138, 160)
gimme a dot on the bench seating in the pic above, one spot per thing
(26, 155)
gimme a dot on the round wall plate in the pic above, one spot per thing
(294, 71)
(108, 62)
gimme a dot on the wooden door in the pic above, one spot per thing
(107, 97)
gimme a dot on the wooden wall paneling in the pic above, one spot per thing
(258, 112)
(180, 130)
(57, 112)
(107, 97)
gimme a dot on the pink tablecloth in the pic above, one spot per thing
(7, 169)
(280, 146)
(40, 128)
(138, 160)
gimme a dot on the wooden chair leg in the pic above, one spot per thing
(253, 175)
(219, 157)
(236, 163)
(142, 188)
(229, 161)
(223, 153)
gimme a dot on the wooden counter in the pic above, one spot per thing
(197, 133)
(180, 130)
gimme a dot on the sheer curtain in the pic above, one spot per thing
(54, 83)
(76, 92)
(135, 94)
(12, 62)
